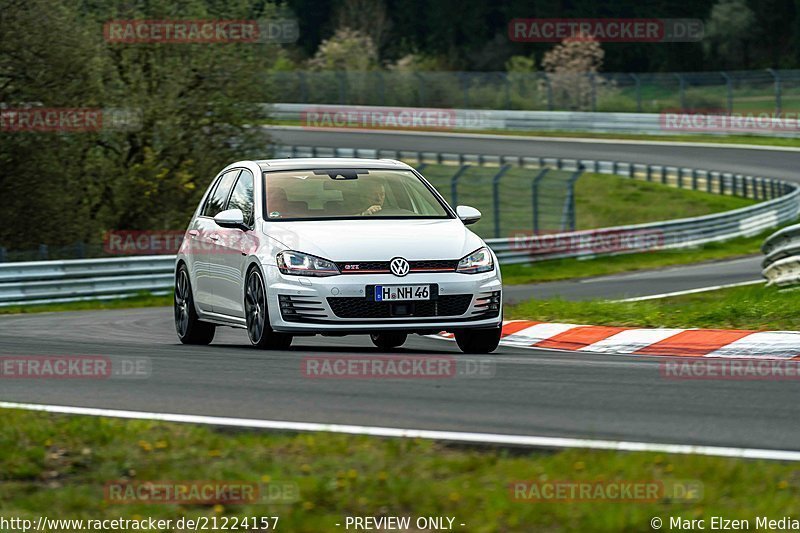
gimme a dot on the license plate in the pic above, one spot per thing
(387, 293)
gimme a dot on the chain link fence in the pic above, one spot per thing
(771, 91)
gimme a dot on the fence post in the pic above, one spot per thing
(593, 83)
(303, 87)
(342, 87)
(496, 198)
(43, 252)
(729, 90)
(462, 78)
(454, 183)
(3, 255)
(535, 199)
(682, 90)
(549, 92)
(80, 250)
(778, 102)
(381, 88)
(420, 88)
(568, 213)
(507, 87)
(638, 82)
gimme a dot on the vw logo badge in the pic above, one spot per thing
(399, 267)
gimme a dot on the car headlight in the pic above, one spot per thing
(300, 264)
(478, 261)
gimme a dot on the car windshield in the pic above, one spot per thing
(349, 193)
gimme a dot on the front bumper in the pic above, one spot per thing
(339, 304)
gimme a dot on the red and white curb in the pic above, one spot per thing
(731, 343)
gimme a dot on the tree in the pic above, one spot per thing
(727, 33)
(346, 50)
(572, 68)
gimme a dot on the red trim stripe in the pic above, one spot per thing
(509, 328)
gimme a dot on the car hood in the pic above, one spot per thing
(376, 240)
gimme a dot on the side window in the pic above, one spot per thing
(216, 202)
(242, 196)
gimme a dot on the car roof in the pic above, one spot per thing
(303, 163)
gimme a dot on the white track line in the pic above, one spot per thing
(456, 436)
(589, 140)
(690, 291)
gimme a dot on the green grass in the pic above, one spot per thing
(57, 465)
(561, 269)
(142, 300)
(601, 200)
(748, 307)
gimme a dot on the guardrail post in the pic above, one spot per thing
(496, 198)
(694, 179)
(454, 183)
(421, 167)
(722, 184)
(535, 198)
(593, 83)
(43, 252)
(638, 83)
(729, 90)
(778, 102)
(649, 172)
(763, 189)
(680, 177)
(772, 189)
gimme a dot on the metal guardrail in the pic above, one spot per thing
(39, 282)
(781, 265)
(704, 122)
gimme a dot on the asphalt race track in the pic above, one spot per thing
(532, 392)
(771, 163)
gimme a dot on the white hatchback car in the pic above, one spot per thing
(333, 246)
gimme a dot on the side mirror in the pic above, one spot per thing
(468, 215)
(231, 218)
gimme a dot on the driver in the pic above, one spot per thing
(374, 197)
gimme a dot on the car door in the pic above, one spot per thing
(204, 242)
(234, 246)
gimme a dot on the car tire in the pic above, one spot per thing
(478, 340)
(257, 317)
(188, 326)
(388, 341)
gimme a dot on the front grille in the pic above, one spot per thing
(381, 267)
(300, 308)
(450, 305)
